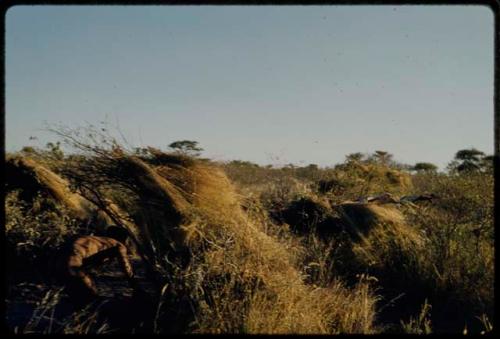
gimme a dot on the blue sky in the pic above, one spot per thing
(269, 84)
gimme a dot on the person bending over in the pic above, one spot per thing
(86, 252)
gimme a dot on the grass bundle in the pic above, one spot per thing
(31, 177)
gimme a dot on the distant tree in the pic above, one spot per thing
(467, 160)
(358, 156)
(424, 167)
(186, 147)
(469, 155)
(381, 157)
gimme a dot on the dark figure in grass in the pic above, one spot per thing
(87, 252)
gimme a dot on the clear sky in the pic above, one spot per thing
(269, 84)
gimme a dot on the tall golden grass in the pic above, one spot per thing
(236, 277)
(223, 265)
(31, 175)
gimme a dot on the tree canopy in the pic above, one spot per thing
(186, 147)
(424, 166)
(468, 160)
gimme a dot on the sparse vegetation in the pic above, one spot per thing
(241, 248)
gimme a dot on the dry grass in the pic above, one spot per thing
(383, 234)
(232, 275)
(444, 250)
(223, 265)
(44, 319)
(33, 177)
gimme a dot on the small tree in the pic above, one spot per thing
(467, 160)
(424, 167)
(358, 156)
(382, 157)
(186, 147)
